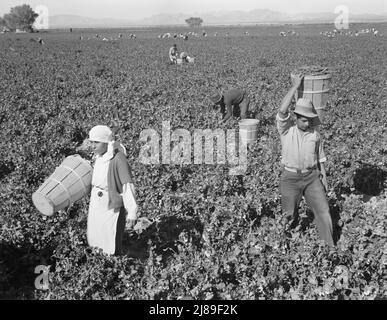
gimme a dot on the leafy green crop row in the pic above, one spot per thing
(213, 236)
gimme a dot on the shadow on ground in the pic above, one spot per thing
(164, 235)
(17, 270)
(369, 180)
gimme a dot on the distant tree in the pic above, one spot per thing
(20, 17)
(194, 22)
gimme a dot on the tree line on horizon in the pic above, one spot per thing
(194, 21)
(23, 17)
(20, 17)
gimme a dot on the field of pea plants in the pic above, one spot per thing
(212, 235)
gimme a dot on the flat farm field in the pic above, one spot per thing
(212, 235)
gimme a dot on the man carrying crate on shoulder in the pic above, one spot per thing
(303, 160)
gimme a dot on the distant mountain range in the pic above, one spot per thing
(258, 16)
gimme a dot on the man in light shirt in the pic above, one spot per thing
(303, 160)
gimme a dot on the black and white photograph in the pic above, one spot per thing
(195, 155)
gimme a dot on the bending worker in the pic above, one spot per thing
(184, 57)
(231, 98)
(303, 160)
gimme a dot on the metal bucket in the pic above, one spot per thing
(248, 130)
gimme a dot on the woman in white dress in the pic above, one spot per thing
(112, 202)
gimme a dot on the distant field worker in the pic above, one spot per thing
(303, 160)
(112, 203)
(184, 57)
(173, 54)
(231, 98)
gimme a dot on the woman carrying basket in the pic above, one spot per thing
(112, 202)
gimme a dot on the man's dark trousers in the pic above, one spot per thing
(294, 186)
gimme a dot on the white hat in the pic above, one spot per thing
(101, 134)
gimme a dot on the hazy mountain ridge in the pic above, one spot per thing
(212, 18)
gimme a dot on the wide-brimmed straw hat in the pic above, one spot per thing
(101, 134)
(304, 107)
(216, 97)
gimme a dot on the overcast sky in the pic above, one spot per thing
(136, 9)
